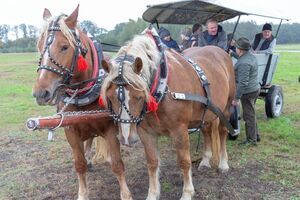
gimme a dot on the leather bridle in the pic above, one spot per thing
(121, 83)
(66, 72)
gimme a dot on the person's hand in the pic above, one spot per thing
(235, 102)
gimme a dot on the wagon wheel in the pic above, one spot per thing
(274, 102)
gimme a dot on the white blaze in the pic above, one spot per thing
(125, 127)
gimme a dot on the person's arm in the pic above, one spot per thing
(269, 50)
(175, 46)
(233, 54)
(243, 79)
(201, 41)
(222, 43)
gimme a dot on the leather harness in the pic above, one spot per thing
(85, 95)
(161, 89)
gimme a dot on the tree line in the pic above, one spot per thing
(23, 37)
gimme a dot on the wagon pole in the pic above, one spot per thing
(65, 119)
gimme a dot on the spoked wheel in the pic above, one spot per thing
(274, 102)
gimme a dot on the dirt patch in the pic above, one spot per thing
(37, 169)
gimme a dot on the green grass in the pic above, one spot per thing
(17, 76)
(288, 47)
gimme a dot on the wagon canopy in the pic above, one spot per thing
(190, 12)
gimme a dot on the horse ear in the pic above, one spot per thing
(47, 14)
(138, 65)
(105, 65)
(71, 21)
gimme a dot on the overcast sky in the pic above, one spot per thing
(108, 13)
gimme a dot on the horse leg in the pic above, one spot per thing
(88, 151)
(150, 146)
(117, 164)
(223, 164)
(181, 139)
(206, 130)
(80, 162)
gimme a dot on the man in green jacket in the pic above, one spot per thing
(248, 88)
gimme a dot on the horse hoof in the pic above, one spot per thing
(152, 197)
(82, 198)
(204, 165)
(223, 170)
(186, 197)
(126, 196)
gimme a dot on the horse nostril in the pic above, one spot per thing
(34, 94)
(45, 95)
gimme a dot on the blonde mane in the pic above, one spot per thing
(143, 47)
(63, 27)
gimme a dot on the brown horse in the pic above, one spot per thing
(126, 90)
(68, 71)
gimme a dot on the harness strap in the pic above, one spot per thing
(160, 82)
(206, 102)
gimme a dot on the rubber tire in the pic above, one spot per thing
(274, 109)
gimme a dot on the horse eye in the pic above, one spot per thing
(64, 48)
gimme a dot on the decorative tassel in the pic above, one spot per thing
(82, 64)
(101, 102)
(152, 105)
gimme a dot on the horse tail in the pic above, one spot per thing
(101, 150)
(215, 142)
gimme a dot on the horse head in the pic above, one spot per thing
(126, 88)
(125, 101)
(64, 59)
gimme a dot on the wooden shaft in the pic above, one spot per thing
(61, 121)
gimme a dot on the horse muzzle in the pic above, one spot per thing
(129, 141)
(45, 97)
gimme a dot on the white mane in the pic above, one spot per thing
(141, 46)
(63, 27)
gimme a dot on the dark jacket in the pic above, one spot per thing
(246, 74)
(171, 44)
(265, 45)
(219, 40)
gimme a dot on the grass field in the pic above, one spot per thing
(277, 154)
(288, 47)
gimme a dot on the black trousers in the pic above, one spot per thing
(248, 104)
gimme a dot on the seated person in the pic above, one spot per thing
(264, 42)
(185, 38)
(166, 38)
(197, 31)
(214, 35)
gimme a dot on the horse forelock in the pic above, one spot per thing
(143, 47)
(63, 27)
